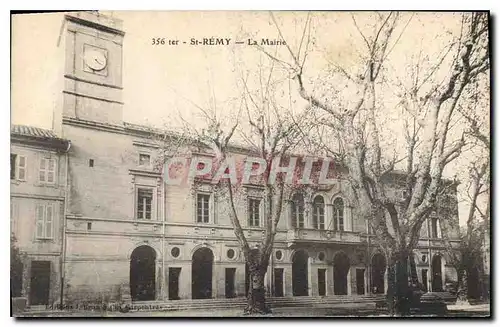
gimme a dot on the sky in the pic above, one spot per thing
(158, 79)
(162, 82)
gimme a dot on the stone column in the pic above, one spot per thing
(367, 287)
(159, 290)
(351, 279)
(287, 280)
(313, 280)
(329, 281)
(311, 276)
(185, 281)
(218, 280)
(386, 281)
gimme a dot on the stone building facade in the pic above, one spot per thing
(130, 235)
(38, 187)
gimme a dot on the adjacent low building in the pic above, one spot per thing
(38, 180)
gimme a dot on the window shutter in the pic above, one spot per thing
(13, 164)
(438, 224)
(43, 165)
(51, 170)
(39, 213)
(49, 218)
(21, 168)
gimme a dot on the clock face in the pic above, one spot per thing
(95, 59)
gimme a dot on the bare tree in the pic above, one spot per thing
(431, 101)
(468, 254)
(473, 238)
(265, 128)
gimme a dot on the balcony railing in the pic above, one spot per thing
(322, 236)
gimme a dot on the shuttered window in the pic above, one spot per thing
(44, 216)
(47, 172)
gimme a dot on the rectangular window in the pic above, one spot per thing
(17, 167)
(340, 219)
(47, 173)
(435, 230)
(203, 208)
(44, 221)
(144, 203)
(322, 221)
(254, 212)
(297, 215)
(300, 218)
(319, 217)
(144, 159)
(21, 168)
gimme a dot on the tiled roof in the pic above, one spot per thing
(32, 131)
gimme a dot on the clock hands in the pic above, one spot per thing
(95, 60)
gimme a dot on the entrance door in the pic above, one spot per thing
(173, 283)
(300, 274)
(322, 282)
(40, 282)
(201, 274)
(142, 273)
(278, 282)
(360, 281)
(437, 278)
(230, 273)
(341, 266)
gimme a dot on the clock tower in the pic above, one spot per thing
(93, 68)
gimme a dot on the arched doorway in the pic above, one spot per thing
(341, 267)
(378, 271)
(142, 273)
(300, 273)
(201, 273)
(437, 275)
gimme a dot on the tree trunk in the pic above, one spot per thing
(256, 298)
(391, 288)
(462, 286)
(399, 294)
(403, 292)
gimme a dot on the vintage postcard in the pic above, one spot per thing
(250, 164)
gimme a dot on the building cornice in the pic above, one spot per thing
(91, 24)
(60, 145)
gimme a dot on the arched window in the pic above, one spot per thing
(297, 214)
(319, 212)
(338, 214)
